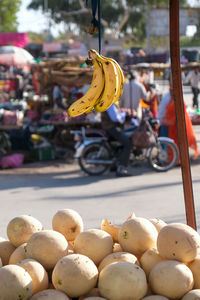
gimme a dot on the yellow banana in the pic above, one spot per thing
(120, 76)
(111, 87)
(87, 102)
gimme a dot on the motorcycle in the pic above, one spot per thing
(97, 153)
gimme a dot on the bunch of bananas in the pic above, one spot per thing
(105, 89)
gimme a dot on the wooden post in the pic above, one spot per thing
(180, 114)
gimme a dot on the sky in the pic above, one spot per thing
(37, 21)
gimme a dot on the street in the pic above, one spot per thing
(40, 189)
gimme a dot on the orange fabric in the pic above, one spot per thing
(170, 120)
(144, 104)
(154, 106)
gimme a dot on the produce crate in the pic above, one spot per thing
(43, 153)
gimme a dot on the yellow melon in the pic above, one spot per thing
(192, 295)
(171, 279)
(75, 275)
(20, 229)
(6, 250)
(158, 223)
(15, 283)
(111, 229)
(18, 254)
(37, 272)
(47, 247)
(117, 248)
(131, 216)
(194, 266)
(94, 243)
(122, 280)
(116, 257)
(149, 259)
(70, 248)
(137, 235)
(179, 242)
(68, 222)
(50, 294)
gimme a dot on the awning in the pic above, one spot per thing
(14, 38)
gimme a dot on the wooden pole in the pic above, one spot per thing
(180, 113)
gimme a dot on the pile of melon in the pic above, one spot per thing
(141, 259)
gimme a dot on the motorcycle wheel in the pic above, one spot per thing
(94, 151)
(158, 156)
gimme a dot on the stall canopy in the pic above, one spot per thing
(14, 38)
(16, 57)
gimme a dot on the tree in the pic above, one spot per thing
(119, 17)
(8, 15)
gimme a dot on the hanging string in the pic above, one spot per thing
(95, 26)
(99, 23)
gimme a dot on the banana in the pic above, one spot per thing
(120, 76)
(87, 102)
(111, 88)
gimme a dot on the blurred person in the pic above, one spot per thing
(132, 93)
(112, 121)
(193, 77)
(163, 129)
(169, 120)
(58, 97)
(20, 86)
(153, 101)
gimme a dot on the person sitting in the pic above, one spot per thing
(112, 122)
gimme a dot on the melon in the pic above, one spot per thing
(18, 254)
(149, 259)
(6, 249)
(111, 229)
(192, 295)
(94, 298)
(117, 248)
(116, 257)
(122, 280)
(158, 223)
(94, 243)
(20, 229)
(194, 266)
(50, 295)
(68, 222)
(70, 248)
(155, 297)
(37, 272)
(75, 275)
(131, 216)
(93, 293)
(15, 283)
(47, 247)
(171, 279)
(137, 235)
(179, 242)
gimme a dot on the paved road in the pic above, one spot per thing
(42, 189)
